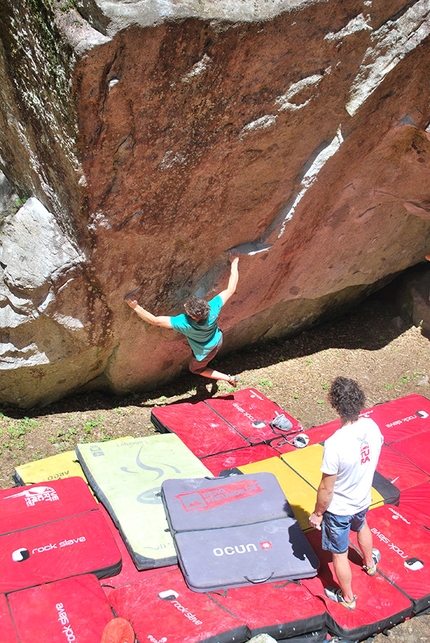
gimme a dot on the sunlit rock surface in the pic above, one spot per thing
(153, 137)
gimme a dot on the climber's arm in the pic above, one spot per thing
(154, 320)
(232, 282)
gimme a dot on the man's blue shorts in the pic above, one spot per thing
(335, 530)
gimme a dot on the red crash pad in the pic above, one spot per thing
(399, 470)
(74, 609)
(250, 413)
(417, 502)
(405, 552)
(232, 459)
(60, 549)
(166, 610)
(401, 418)
(7, 627)
(199, 427)
(379, 603)
(224, 423)
(282, 609)
(22, 507)
(416, 449)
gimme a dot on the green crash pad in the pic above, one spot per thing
(126, 476)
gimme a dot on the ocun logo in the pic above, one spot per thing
(33, 495)
(241, 549)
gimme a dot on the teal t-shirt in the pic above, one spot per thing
(203, 336)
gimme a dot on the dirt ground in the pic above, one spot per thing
(372, 344)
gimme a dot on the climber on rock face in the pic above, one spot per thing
(199, 324)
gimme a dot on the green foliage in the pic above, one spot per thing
(91, 424)
(265, 382)
(62, 437)
(14, 433)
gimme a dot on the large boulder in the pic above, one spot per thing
(152, 138)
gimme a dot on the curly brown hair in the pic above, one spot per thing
(347, 398)
(197, 308)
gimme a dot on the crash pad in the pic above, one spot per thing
(405, 552)
(379, 604)
(234, 531)
(74, 609)
(126, 477)
(61, 465)
(165, 609)
(282, 609)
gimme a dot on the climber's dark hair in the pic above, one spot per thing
(196, 307)
(347, 398)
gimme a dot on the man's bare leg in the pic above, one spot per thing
(343, 573)
(216, 375)
(365, 542)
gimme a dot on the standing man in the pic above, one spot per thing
(199, 325)
(344, 494)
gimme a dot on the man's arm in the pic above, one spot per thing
(232, 282)
(159, 320)
(324, 496)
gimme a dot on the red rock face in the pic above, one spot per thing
(298, 141)
(197, 138)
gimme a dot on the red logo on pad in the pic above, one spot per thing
(266, 545)
(216, 496)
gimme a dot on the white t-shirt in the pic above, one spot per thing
(352, 454)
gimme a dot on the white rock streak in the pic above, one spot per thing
(391, 43)
(359, 23)
(261, 123)
(311, 176)
(171, 158)
(284, 100)
(198, 69)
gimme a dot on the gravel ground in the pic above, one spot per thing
(387, 356)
